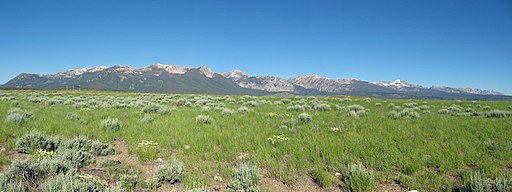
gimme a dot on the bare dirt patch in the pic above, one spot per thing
(145, 168)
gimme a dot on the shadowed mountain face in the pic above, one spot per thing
(122, 78)
(181, 79)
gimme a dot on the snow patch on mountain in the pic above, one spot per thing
(397, 84)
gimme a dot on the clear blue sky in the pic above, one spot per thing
(460, 43)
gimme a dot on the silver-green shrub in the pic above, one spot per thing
(245, 178)
(244, 110)
(9, 185)
(128, 182)
(170, 172)
(407, 113)
(60, 182)
(155, 108)
(296, 108)
(35, 140)
(204, 119)
(226, 112)
(18, 116)
(358, 178)
(305, 117)
(76, 158)
(111, 124)
(28, 169)
(344, 100)
(410, 105)
(152, 183)
(356, 110)
(321, 107)
(250, 104)
(94, 147)
(147, 119)
(477, 182)
(499, 114)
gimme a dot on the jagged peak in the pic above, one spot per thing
(80, 71)
(314, 76)
(312, 81)
(311, 76)
(206, 71)
(234, 74)
(172, 68)
(397, 84)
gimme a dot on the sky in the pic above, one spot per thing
(458, 43)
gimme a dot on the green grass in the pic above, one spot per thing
(430, 152)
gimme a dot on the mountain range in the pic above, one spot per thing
(180, 79)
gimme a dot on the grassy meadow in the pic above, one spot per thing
(237, 143)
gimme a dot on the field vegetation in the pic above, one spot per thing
(112, 141)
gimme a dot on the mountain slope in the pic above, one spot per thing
(149, 79)
(269, 83)
(181, 79)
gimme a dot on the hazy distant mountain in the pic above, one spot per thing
(181, 79)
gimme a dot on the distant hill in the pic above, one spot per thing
(180, 79)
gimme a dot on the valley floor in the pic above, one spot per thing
(165, 142)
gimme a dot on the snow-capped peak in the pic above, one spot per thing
(173, 69)
(206, 71)
(396, 83)
(234, 74)
(80, 71)
(314, 76)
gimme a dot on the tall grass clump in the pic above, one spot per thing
(246, 177)
(111, 124)
(171, 172)
(476, 182)
(72, 116)
(18, 116)
(322, 178)
(147, 119)
(204, 119)
(147, 150)
(15, 103)
(358, 178)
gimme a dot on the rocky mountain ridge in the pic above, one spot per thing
(181, 79)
